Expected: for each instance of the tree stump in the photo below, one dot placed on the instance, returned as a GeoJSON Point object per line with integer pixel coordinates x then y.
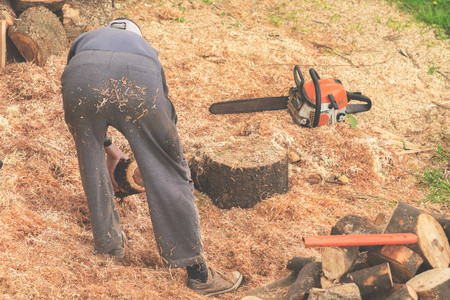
{"type": "Point", "coordinates": [432, 245]}
{"type": "Point", "coordinates": [370, 280]}
{"type": "Point", "coordinates": [308, 277]}
{"type": "Point", "coordinates": [22, 5]}
{"type": "Point", "coordinates": [128, 178]}
{"type": "Point", "coordinates": [37, 34]}
{"type": "Point", "coordinates": [349, 291]}
{"type": "Point", "coordinates": [433, 284]}
{"type": "Point", "coordinates": [83, 15]}
{"type": "Point", "coordinates": [403, 261]}
{"type": "Point", "coordinates": [240, 174]}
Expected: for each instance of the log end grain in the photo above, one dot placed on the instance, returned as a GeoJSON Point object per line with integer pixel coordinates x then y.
{"type": "Point", "coordinates": [432, 284]}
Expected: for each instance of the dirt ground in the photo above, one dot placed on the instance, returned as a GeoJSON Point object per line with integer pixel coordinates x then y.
{"type": "Point", "coordinates": [215, 51]}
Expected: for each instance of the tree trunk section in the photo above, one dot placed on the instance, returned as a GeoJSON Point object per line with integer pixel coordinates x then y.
{"type": "Point", "coordinates": [407, 292]}
{"type": "Point", "coordinates": [84, 15]}
{"type": "Point", "coordinates": [241, 174]}
{"type": "Point", "coordinates": [432, 245]}
{"type": "Point", "coordinates": [297, 263]}
{"type": "Point", "coordinates": [444, 220]}
{"type": "Point", "coordinates": [371, 280]}
{"type": "Point", "coordinates": [308, 278]}
{"type": "Point", "coordinates": [336, 261]}
{"type": "Point", "coordinates": [349, 291]}
{"type": "Point", "coordinates": [37, 34]}
{"type": "Point", "coordinates": [433, 284]}
{"type": "Point", "coordinates": [403, 261]}
{"type": "Point", "coordinates": [128, 178]}
{"type": "Point", "coordinates": [22, 5]}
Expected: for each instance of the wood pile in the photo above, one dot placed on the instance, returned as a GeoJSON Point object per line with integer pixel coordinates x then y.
{"type": "Point", "coordinates": [373, 271]}
{"type": "Point", "coordinates": [40, 28]}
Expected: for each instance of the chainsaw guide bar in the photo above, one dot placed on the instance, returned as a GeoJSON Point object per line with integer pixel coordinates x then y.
{"type": "Point", "coordinates": [250, 105]}
{"type": "Point", "coordinates": [311, 104]}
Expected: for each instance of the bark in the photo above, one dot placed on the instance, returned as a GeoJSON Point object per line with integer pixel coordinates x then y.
{"type": "Point", "coordinates": [308, 278]}
{"type": "Point", "coordinates": [371, 280]}
{"type": "Point", "coordinates": [407, 292]}
{"type": "Point", "coordinates": [297, 263]}
{"type": "Point", "coordinates": [22, 5]}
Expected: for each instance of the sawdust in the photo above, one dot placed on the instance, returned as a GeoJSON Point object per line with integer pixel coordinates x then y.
{"type": "Point", "coordinates": [215, 52]}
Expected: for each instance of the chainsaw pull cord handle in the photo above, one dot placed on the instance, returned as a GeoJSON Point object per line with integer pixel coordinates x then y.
{"type": "Point", "coordinates": [356, 108]}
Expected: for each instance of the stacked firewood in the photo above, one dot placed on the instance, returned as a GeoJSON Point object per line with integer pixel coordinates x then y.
{"type": "Point", "coordinates": [40, 28]}
{"type": "Point", "coordinates": [417, 270]}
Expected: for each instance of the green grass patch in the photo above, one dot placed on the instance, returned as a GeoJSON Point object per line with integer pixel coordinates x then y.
{"type": "Point", "coordinates": [438, 188]}
{"type": "Point", "coordinates": [432, 12]}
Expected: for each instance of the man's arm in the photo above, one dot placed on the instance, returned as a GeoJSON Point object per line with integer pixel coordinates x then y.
{"type": "Point", "coordinates": [113, 155]}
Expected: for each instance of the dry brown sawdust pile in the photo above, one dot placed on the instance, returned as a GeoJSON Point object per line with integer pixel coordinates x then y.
{"type": "Point", "coordinates": [224, 51]}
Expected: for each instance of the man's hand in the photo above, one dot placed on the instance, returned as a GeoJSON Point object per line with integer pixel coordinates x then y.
{"type": "Point", "coordinates": [113, 155]}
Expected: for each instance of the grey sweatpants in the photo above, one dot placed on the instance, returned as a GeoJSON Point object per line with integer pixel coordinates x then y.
{"type": "Point", "coordinates": [124, 90]}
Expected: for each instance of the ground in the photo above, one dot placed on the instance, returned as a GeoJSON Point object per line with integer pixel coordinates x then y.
{"type": "Point", "coordinates": [215, 51]}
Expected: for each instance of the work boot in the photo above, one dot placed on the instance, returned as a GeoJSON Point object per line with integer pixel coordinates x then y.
{"type": "Point", "coordinates": [118, 253]}
{"type": "Point", "coordinates": [216, 284]}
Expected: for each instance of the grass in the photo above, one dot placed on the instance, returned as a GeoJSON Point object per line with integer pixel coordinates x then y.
{"type": "Point", "coordinates": [438, 188]}
{"type": "Point", "coordinates": [432, 12]}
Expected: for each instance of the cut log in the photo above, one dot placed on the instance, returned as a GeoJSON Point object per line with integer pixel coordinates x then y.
{"type": "Point", "coordinates": [308, 278]}
{"type": "Point", "coordinates": [83, 15]}
{"type": "Point", "coordinates": [241, 174]}
{"type": "Point", "coordinates": [37, 34]}
{"type": "Point", "coordinates": [336, 261]}
{"type": "Point", "coordinates": [382, 295]}
{"type": "Point", "coordinates": [297, 263]}
{"type": "Point", "coordinates": [403, 261]}
{"type": "Point", "coordinates": [370, 280]}
{"type": "Point", "coordinates": [349, 291]}
{"type": "Point", "coordinates": [128, 178]}
{"type": "Point", "coordinates": [283, 282]}
{"type": "Point", "coordinates": [432, 245]}
{"type": "Point", "coordinates": [22, 5]}
{"type": "Point", "coordinates": [407, 292]}
{"type": "Point", "coordinates": [352, 224]}
{"type": "Point", "coordinates": [444, 220]}
{"type": "Point", "coordinates": [432, 285]}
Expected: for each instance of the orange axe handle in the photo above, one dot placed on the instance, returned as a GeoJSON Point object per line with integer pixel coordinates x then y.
{"type": "Point", "coordinates": [360, 240]}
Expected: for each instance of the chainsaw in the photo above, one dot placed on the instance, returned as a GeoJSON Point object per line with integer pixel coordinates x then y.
{"type": "Point", "coordinates": [311, 104]}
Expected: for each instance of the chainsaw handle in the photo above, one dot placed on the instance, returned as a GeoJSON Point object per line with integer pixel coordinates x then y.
{"type": "Point", "coordinates": [315, 78]}
{"type": "Point", "coordinates": [356, 108]}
